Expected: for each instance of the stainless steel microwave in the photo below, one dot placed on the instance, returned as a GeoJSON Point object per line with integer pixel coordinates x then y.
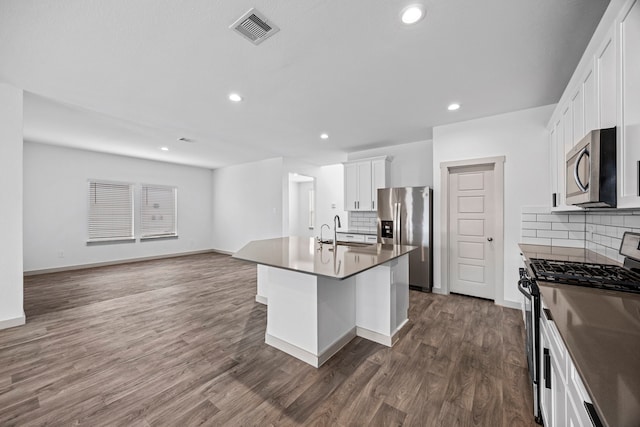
{"type": "Point", "coordinates": [591, 170]}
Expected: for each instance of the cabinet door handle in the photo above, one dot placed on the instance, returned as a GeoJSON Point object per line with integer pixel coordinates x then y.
{"type": "Point", "coordinates": [547, 369]}
{"type": "Point", "coordinates": [373, 205]}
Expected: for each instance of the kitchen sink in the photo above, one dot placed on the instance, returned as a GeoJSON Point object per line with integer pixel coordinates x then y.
{"type": "Point", "coordinates": [343, 243]}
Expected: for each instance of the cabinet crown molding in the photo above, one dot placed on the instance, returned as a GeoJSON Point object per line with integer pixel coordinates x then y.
{"type": "Point", "coordinates": [368, 159]}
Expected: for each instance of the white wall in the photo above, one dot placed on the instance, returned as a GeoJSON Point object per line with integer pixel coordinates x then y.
{"type": "Point", "coordinates": [330, 197]}
{"type": "Point", "coordinates": [11, 310]}
{"type": "Point", "coordinates": [55, 206]}
{"type": "Point", "coordinates": [294, 207]}
{"type": "Point", "coordinates": [411, 165]}
{"type": "Point", "coordinates": [248, 203]}
{"type": "Point", "coordinates": [521, 137]}
{"type": "Point", "coordinates": [301, 207]}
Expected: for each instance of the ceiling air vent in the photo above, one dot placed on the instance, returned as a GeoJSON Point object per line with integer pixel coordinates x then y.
{"type": "Point", "coordinates": [254, 26]}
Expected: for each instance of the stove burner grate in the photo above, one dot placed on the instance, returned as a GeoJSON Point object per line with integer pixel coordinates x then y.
{"type": "Point", "coordinates": [601, 276]}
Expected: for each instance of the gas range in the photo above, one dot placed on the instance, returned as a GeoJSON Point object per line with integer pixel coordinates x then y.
{"type": "Point", "coordinates": [624, 278]}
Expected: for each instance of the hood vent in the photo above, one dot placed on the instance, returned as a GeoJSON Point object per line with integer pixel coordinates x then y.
{"type": "Point", "coordinates": [255, 27]}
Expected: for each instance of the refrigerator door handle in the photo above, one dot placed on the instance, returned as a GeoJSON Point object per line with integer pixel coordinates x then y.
{"type": "Point", "coordinates": [396, 222]}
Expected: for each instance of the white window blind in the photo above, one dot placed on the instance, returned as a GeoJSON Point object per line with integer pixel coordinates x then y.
{"type": "Point", "coordinates": [158, 211]}
{"type": "Point", "coordinates": [110, 211]}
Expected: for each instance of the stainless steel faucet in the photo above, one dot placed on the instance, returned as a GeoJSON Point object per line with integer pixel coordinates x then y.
{"type": "Point", "coordinates": [335, 229]}
{"type": "Point", "coordinates": [321, 227]}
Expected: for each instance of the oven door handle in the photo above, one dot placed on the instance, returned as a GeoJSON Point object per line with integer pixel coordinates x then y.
{"type": "Point", "coordinates": [524, 291]}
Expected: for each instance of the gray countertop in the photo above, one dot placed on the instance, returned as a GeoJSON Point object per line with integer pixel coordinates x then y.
{"type": "Point", "coordinates": [305, 255]}
{"type": "Point", "coordinates": [601, 330]}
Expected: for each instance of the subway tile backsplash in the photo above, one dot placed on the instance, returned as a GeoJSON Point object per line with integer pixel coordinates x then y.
{"type": "Point", "coordinates": [599, 231]}
{"type": "Point", "coordinates": [363, 222]}
{"type": "Point", "coordinates": [542, 227]}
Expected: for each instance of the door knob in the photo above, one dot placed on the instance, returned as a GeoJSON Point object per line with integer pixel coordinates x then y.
{"type": "Point", "coordinates": [490, 239]}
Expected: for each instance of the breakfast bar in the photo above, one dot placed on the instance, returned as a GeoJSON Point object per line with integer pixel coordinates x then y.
{"type": "Point", "coordinates": [320, 296]}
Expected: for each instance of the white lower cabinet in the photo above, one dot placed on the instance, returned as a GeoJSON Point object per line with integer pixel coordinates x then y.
{"type": "Point", "coordinates": [348, 237]}
{"type": "Point", "coordinates": [562, 394]}
{"type": "Point", "coordinates": [357, 238]}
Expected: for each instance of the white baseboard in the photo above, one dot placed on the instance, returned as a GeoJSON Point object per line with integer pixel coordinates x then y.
{"type": "Point", "coordinates": [307, 356]}
{"type": "Point", "coordinates": [10, 323]}
{"type": "Point", "coordinates": [292, 350]}
{"type": "Point", "coordinates": [439, 291]}
{"type": "Point", "coordinates": [223, 252]}
{"type": "Point", "coordinates": [383, 339]}
{"type": "Point", "coordinates": [510, 304]}
{"type": "Point", "coordinates": [117, 262]}
{"type": "Point", "coordinates": [336, 346]}
{"type": "Point", "coordinates": [262, 300]}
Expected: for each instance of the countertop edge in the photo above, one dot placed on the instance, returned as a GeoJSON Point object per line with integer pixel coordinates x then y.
{"type": "Point", "coordinates": [320, 274]}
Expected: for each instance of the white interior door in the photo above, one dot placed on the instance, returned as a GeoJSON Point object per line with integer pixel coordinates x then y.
{"type": "Point", "coordinates": [471, 227]}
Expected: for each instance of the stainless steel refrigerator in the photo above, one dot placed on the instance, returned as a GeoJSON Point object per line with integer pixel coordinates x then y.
{"type": "Point", "coordinates": [405, 217]}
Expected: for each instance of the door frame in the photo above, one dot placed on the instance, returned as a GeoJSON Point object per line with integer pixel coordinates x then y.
{"type": "Point", "coordinates": [498, 238]}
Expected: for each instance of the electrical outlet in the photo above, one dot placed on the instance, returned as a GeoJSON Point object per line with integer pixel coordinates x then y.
{"type": "Point", "coordinates": [60, 254]}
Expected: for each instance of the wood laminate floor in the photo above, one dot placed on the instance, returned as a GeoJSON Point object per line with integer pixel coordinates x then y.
{"type": "Point", "coordinates": [180, 342]}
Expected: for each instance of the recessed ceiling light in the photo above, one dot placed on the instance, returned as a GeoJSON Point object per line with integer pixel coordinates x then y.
{"type": "Point", "coordinates": [164, 148]}
{"type": "Point", "coordinates": [453, 107]}
{"type": "Point", "coordinates": [235, 97]}
{"type": "Point", "coordinates": [412, 14]}
{"type": "Point", "coordinates": [324, 136]}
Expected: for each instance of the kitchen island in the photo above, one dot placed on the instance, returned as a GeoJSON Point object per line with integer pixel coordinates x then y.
{"type": "Point", "coordinates": [319, 297]}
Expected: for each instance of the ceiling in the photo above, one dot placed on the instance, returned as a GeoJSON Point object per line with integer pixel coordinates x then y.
{"type": "Point", "coordinates": [129, 77]}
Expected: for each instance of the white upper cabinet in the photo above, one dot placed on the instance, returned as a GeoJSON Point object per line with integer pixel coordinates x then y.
{"type": "Point", "coordinates": [590, 102]}
{"type": "Point", "coordinates": [553, 151]}
{"type": "Point", "coordinates": [604, 92]}
{"type": "Point", "coordinates": [362, 179]}
{"type": "Point", "coordinates": [365, 182]}
{"type": "Point", "coordinates": [577, 105]}
{"type": "Point", "coordinates": [629, 131]}
{"type": "Point", "coordinates": [379, 175]}
{"type": "Point", "coordinates": [606, 66]}
{"type": "Point", "coordinates": [567, 120]}
{"type": "Point", "coordinates": [350, 186]}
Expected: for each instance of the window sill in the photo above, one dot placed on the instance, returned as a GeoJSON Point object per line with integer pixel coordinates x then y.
{"type": "Point", "coordinates": [96, 242]}
{"type": "Point", "coordinates": [164, 237]}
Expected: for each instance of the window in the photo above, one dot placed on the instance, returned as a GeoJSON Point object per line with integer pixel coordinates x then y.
{"type": "Point", "coordinates": [110, 211]}
{"type": "Point", "coordinates": [158, 217]}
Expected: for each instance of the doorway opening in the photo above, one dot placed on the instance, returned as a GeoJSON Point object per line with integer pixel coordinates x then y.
{"type": "Point", "coordinates": [302, 205]}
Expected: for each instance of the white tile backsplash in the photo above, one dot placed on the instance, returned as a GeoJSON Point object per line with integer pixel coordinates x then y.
{"type": "Point", "coordinates": [542, 227]}
{"type": "Point", "coordinates": [363, 222]}
{"type": "Point", "coordinates": [597, 231]}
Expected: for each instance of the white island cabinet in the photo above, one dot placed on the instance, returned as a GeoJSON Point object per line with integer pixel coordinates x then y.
{"type": "Point", "coordinates": [319, 297]}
